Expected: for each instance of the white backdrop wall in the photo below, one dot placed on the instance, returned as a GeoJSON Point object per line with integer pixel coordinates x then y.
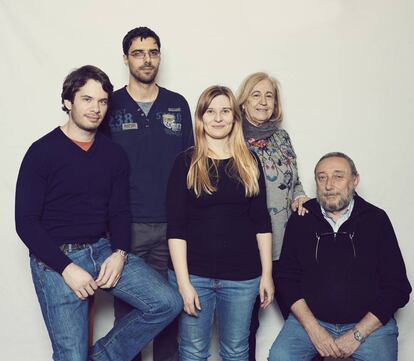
{"type": "Point", "coordinates": [345, 67]}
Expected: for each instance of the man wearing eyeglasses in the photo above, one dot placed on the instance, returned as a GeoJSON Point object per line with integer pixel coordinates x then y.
{"type": "Point", "coordinates": [153, 125]}
{"type": "Point", "coordinates": [342, 273]}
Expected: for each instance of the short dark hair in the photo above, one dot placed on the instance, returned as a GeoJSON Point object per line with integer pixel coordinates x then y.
{"type": "Point", "coordinates": [78, 78]}
{"type": "Point", "coordinates": [143, 33]}
{"type": "Point", "coordinates": [339, 155]}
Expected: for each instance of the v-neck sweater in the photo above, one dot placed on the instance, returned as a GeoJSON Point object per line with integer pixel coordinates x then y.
{"type": "Point", "coordinates": [65, 195]}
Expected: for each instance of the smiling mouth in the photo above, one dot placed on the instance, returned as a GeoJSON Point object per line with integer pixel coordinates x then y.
{"type": "Point", "coordinates": [93, 118]}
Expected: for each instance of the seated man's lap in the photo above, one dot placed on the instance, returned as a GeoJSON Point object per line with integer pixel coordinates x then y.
{"type": "Point", "coordinates": [293, 343]}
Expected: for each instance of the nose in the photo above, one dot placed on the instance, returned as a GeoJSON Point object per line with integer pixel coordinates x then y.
{"type": "Point", "coordinates": [96, 107]}
{"type": "Point", "coordinates": [263, 100]}
{"type": "Point", "coordinates": [147, 57]}
{"type": "Point", "coordinates": [218, 117]}
{"type": "Point", "coordinates": [329, 183]}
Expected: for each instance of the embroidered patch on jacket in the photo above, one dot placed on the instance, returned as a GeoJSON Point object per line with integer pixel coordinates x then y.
{"type": "Point", "coordinates": [169, 122]}
{"type": "Point", "coordinates": [128, 126]}
{"type": "Point", "coordinates": [174, 109]}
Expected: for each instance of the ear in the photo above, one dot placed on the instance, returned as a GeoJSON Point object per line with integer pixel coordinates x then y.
{"type": "Point", "coordinates": [125, 59]}
{"type": "Point", "coordinates": [356, 181]}
{"type": "Point", "coordinates": [68, 104]}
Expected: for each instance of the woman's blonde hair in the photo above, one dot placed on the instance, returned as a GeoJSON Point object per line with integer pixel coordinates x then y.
{"type": "Point", "coordinates": [242, 165]}
{"type": "Point", "coordinates": [247, 86]}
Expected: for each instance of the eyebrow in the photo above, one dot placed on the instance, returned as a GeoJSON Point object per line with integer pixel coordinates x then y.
{"type": "Point", "coordinates": [336, 171]}
{"type": "Point", "coordinates": [136, 50]}
{"type": "Point", "coordinates": [91, 97]}
{"type": "Point", "coordinates": [258, 91]}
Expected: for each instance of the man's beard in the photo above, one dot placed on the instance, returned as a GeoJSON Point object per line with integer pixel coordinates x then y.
{"type": "Point", "coordinates": [338, 205]}
{"type": "Point", "coordinates": [145, 80]}
{"type": "Point", "coordinates": [88, 128]}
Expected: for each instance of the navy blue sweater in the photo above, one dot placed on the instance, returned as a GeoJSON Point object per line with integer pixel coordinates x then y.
{"type": "Point", "coordinates": [343, 276]}
{"type": "Point", "coordinates": [67, 195]}
{"type": "Point", "coordinates": [151, 143]}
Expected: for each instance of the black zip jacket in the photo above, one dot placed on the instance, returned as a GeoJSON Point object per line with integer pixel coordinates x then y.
{"type": "Point", "coordinates": [343, 275]}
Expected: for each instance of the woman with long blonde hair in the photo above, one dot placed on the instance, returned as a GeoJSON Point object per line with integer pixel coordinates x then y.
{"type": "Point", "coordinates": [219, 231]}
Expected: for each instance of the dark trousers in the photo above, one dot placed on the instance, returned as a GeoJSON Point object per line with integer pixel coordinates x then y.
{"type": "Point", "coordinates": [148, 241]}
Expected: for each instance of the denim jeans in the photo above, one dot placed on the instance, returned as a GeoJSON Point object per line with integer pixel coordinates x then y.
{"type": "Point", "coordinates": [155, 304]}
{"type": "Point", "coordinates": [148, 241]}
{"type": "Point", "coordinates": [232, 302]}
{"type": "Point", "coordinates": [294, 344]}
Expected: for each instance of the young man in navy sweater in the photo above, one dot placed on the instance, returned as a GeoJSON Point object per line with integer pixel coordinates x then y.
{"type": "Point", "coordinates": [153, 125]}
{"type": "Point", "coordinates": [341, 272]}
{"type": "Point", "coordinates": [72, 211]}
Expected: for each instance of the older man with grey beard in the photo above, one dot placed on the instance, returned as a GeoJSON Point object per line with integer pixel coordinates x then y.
{"type": "Point", "coordinates": [341, 272]}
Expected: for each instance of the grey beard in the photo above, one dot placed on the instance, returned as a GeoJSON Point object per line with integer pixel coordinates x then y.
{"type": "Point", "coordinates": [337, 207]}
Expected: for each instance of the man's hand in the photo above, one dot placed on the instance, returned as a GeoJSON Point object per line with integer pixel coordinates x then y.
{"type": "Point", "coordinates": [266, 291]}
{"type": "Point", "coordinates": [111, 271]}
{"type": "Point", "coordinates": [347, 343]}
{"type": "Point", "coordinates": [190, 299]}
{"type": "Point", "coordinates": [80, 281]}
{"type": "Point", "coordinates": [297, 205]}
{"type": "Point", "coordinates": [323, 342]}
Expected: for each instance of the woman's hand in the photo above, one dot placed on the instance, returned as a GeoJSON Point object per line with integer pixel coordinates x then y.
{"type": "Point", "coordinates": [267, 291]}
{"type": "Point", "coordinates": [190, 299]}
{"type": "Point", "coordinates": [297, 205]}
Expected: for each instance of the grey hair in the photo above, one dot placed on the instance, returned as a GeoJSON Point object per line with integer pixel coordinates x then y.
{"type": "Point", "coordinates": [339, 155]}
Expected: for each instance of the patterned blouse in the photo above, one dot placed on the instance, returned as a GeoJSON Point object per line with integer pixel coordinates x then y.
{"type": "Point", "coordinates": [282, 181]}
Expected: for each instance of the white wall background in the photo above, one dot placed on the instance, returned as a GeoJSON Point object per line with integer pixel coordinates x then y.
{"type": "Point", "coordinates": [345, 67]}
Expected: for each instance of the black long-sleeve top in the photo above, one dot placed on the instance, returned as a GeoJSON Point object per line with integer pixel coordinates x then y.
{"type": "Point", "coordinates": [220, 229]}
{"type": "Point", "coordinates": [66, 195]}
{"type": "Point", "coordinates": [343, 275]}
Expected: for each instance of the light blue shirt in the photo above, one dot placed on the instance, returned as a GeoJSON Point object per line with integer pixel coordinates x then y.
{"type": "Point", "coordinates": [344, 217]}
{"type": "Point", "coordinates": [145, 106]}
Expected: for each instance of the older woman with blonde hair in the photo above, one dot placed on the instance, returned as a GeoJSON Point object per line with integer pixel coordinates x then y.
{"type": "Point", "coordinates": [219, 231]}
{"type": "Point", "coordinates": [260, 105]}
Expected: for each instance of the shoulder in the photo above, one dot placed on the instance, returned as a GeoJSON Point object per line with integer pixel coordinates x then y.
{"type": "Point", "coordinates": [185, 157]}
{"type": "Point", "coordinates": [120, 93]}
{"type": "Point", "coordinates": [39, 154]}
{"type": "Point", "coordinates": [181, 165]}
{"type": "Point", "coordinates": [44, 143]}
{"type": "Point", "coordinates": [119, 98]}
{"type": "Point", "coordinates": [167, 94]}
{"type": "Point", "coordinates": [281, 134]}
{"type": "Point", "coordinates": [314, 213]}
{"type": "Point", "coordinates": [363, 206]}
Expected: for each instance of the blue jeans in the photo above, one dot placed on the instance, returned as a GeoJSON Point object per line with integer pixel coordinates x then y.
{"type": "Point", "coordinates": [232, 301]}
{"type": "Point", "coordinates": [148, 241]}
{"type": "Point", "coordinates": [294, 344]}
{"type": "Point", "coordinates": [155, 304]}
